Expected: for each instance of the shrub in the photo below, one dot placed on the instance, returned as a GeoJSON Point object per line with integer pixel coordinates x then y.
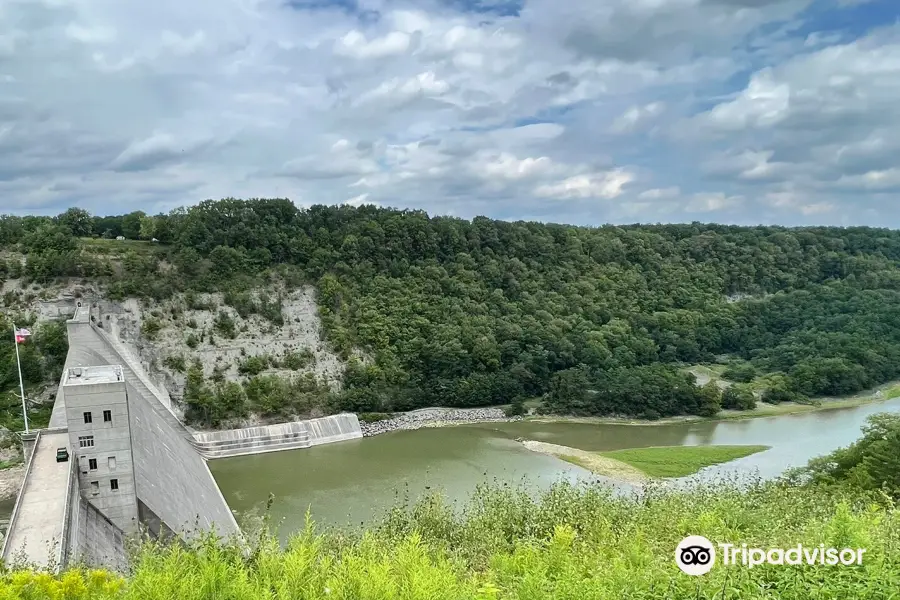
{"type": "Point", "coordinates": [253, 365]}
{"type": "Point", "coordinates": [270, 308]}
{"type": "Point", "coordinates": [151, 328]}
{"type": "Point", "coordinates": [192, 341]}
{"type": "Point", "coordinates": [372, 417]}
{"type": "Point", "coordinates": [516, 409]}
{"type": "Point", "coordinates": [738, 397]}
{"type": "Point", "coordinates": [299, 359]}
{"type": "Point", "coordinates": [176, 363]}
{"type": "Point", "coordinates": [741, 373]}
{"type": "Point", "coordinates": [241, 302]}
{"type": "Point", "coordinates": [224, 324]}
{"type": "Point", "coordinates": [778, 394]}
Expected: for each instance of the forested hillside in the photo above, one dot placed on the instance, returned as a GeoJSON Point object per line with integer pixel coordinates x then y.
{"type": "Point", "coordinates": [460, 313]}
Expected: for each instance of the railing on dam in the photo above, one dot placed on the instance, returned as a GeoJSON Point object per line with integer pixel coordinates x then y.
{"type": "Point", "coordinates": [69, 528]}
{"type": "Point", "coordinates": [14, 517]}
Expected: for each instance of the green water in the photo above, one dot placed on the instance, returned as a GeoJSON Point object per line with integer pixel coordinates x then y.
{"type": "Point", "coordinates": [352, 482]}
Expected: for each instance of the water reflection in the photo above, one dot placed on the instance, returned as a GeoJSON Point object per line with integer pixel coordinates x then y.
{"type": "Point", "coordinates": [354, 481]}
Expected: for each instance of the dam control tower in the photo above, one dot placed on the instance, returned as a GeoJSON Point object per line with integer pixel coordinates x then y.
{"type": "Point", "coordinates": [100, 437]}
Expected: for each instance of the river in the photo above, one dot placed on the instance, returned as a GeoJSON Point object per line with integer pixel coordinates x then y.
{"type": "Point", "coordinates": [352, 482]}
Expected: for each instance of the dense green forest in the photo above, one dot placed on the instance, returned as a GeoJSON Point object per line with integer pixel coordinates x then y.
{"type": "Point", "coordinates": [466, 313]}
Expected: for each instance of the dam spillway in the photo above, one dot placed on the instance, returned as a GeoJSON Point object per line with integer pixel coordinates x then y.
{"type": "Point", "coordinates": [282, 436]}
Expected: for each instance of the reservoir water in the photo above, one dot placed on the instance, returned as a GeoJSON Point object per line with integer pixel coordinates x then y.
{"type": "Point", "coordinates": [352, 482]}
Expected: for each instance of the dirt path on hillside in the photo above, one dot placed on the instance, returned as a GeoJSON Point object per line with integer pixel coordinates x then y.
{"type": "Point", "coordinates": [600, 465]}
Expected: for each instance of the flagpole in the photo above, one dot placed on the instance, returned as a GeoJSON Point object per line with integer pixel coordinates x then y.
{"type": "Point", "coordinates": [21, 385]}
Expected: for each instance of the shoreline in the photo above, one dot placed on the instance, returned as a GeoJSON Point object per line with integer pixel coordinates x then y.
{"type": "Point", "coordinates": [448, 417]}
{"type": "Point", "coordinates": [436, 417]}
{"type": "Point", "coordinates": [603, 466]}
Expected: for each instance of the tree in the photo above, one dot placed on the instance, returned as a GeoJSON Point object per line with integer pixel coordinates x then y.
{"type": "Point", "coordinates": [147, 227]}
{"type": "Point", "coordinates": [474, 312]}
{"type": "Point", "coordinates": [517, 408]}
{"type": "Point", "coordinates": [569, 391]}
{"type": "Point", "coordinates": [131, 224]}
{"type": "Point", "coordinates": [77, 220]}
{"type": "Point", "coordinates": [710, 400]}
{"type": "Point", "coordinates": [871, 463]}
{"type": "Point", "coordinates": [228, 262]}
{"type": "Point", "coordinates": [741, 373]}
{"type": "Point", "coordinates": [200, 400]}
{"type": "Point", "coordinates": [49, 239]}
{"type": "Point", "coordinates": [738, 397]}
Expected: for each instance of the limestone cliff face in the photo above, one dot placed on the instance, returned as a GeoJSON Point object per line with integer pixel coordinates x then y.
{"type": "Point", "coordinates": [160, 335]}
{"type": "Point", "coordinates": [180, 322]}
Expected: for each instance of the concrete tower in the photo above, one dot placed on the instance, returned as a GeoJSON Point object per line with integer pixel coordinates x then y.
{"type": "Point", "coordinates": [100, 435]}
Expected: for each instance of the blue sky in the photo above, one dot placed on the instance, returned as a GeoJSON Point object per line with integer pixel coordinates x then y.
{"type": "Point", "coordinates": [579, 111]}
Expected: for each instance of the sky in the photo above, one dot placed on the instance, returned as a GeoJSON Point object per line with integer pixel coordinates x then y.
{"type": "Point", "coordinates": [575, 111]}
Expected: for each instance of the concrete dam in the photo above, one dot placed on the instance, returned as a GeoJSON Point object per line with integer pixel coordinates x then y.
{"type": "Point", "coordinates": [132, 464]}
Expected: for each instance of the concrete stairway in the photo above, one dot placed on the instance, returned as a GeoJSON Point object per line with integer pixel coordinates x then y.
{"type": "Point", "coordinates": [115, 354]}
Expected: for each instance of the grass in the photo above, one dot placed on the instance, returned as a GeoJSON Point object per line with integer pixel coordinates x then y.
{"type": "Point", "coordinates": [571, 543]}
{"type": "Point", "coordinates": [679, 461]}
{"type": "Point", "coordinates": [113, 243]}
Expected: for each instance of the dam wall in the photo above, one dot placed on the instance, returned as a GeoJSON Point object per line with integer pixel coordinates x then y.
{"type": "Point", "coordinates": [171, 479]}
{"type": "Point", "coordinates": [282, 436]}
{"type": "Point", "coordinates": [90, 538]}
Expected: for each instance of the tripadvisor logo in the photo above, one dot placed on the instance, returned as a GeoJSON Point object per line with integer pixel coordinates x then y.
{"type": "Point", "coordinates": [696, 555]}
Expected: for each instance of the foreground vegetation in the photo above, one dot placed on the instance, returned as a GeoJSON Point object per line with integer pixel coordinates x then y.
{"type": "Point", "coordinates": [679, 461]}
{"type": "Point", "coordinates": [572, 542]}
{"type": "Point", "coordinates": [598, 321]}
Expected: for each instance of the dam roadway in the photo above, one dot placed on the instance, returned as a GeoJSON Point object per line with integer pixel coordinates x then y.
{"type": "Point", "coordinates": [41, 516]}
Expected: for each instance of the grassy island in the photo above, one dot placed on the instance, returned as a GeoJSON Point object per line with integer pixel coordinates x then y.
{"type": "Point", "coordinates": [679, 461]}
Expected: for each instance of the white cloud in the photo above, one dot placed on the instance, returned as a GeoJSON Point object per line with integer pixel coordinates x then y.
{"type": "Point", "coordinates": [453, 111]}
{"type": "Point", "coordinates": [711, 202]}
{"type": "Point", "coordinates": [764, 103]}
{"type": "Point", "coordinates": [358, 200]}
{"type": "Point", "coordinates": [506, 166]}
{"type": "Point", "coordinates": [598, 185]}
{"type": "Point", "coordinates": [355, 44]}
{"type": "Point", "coordinates": [399, 91]}
{"type": "Point", "coordinates": [660, 193]}
{"type": "Point", "coordinates": [886, 179]}
{"type": "Point", "coordinates": [637, 116]}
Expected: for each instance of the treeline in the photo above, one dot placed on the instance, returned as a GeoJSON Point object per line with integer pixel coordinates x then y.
{"type": "Point", "coordinates": [468, 313]}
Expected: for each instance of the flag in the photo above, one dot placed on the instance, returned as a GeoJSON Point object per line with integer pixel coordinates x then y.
{"type": "Point", "coordinates": [21, 334]}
